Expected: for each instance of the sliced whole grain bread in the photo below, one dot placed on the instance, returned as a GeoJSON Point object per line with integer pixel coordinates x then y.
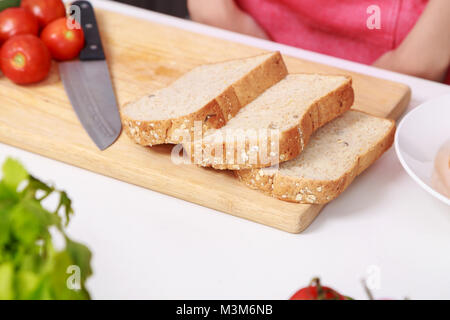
{"type": "Point", "coordinates": [276, 126]}
{"type": "Point", "coordinates": [211, 93]}
{"type": "Point", "coordinates": [336, 154]}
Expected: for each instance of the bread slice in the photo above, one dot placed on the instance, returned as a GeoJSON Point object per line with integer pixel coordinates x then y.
{"type": "Point", "coordinates": [336, 154]}
{"type": "Point", "coordinates": [276, 126]}
{"type": "Point", "coordinates": [211, 93]}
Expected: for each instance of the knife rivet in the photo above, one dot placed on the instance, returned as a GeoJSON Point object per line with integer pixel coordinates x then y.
{"type": "Point", "coordinates": [93, 47]}
{"type": "Point", "coordinates": [88, 25]}
{"type": "Point", "coordinates": [84, 5]}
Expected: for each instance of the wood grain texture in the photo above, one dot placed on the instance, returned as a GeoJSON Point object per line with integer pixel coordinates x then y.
{"type": "Point", "coordinates": [142, 57]}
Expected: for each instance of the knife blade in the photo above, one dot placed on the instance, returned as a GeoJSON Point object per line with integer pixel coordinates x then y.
{"type": "Point", "coordinates": [88, 83]}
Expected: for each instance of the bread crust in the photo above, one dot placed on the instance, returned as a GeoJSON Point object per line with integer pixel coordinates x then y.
{"type": "Point", "coordinates": [292, 141]}
{"type": "Point", "coordinates": [216, 113]}
{"type": "Point", "coordinates": [310, 191]}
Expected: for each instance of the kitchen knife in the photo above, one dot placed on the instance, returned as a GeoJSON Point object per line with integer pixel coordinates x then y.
{"type": "Point", "coordinates": [88, 83]}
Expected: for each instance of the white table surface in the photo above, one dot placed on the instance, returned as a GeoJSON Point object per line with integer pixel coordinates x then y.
{"type": "Point", "coordinates": [152, 246]}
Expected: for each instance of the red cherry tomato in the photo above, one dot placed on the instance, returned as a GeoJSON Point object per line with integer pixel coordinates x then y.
{"type": "Point", "coordinates": [311, 293]}
{"type": "Point", "coordinates": [315, 291]}
{"type": "Point", "coordinates": [15, 21]}
{"type": "Point", "coordinates": [25, 59]}
{"type": "Point", "coordinates": [64, 42]}
{"type": "Point", "coordinates": [45, 10]}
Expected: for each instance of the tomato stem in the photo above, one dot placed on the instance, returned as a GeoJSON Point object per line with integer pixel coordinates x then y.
{"type": "Point", "coordinates": [69, 34]}
{"type": "Point", "coordinates": [18, 61]}
{"type": "Point", "coordinates": [367, 290]}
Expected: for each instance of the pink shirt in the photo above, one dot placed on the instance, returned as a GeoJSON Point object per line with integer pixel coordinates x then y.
{"type": "Point", "coordinates": [338, 28]}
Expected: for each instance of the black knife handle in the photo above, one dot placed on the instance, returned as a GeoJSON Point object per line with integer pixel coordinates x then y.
{"type": "Point", "coordinates": [93, 49]}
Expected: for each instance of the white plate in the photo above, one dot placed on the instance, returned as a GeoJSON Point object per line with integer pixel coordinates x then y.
{"type": "Point", "coordinates": [418, 138]}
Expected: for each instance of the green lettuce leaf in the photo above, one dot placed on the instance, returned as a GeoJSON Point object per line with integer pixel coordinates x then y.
{"type": "Point", "coordinates": [30, 267]}
{"type": "Point", "coordinates": [13, 173]}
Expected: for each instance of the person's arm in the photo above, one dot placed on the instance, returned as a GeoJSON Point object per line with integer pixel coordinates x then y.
{"type": "Point", "coordinates": [425, 52]}
{"type": "Point", "coordinates": [224, 14]}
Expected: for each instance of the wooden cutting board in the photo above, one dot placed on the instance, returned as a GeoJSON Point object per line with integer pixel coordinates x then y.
{"type": "Point", "coordinates": [144, 56]}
